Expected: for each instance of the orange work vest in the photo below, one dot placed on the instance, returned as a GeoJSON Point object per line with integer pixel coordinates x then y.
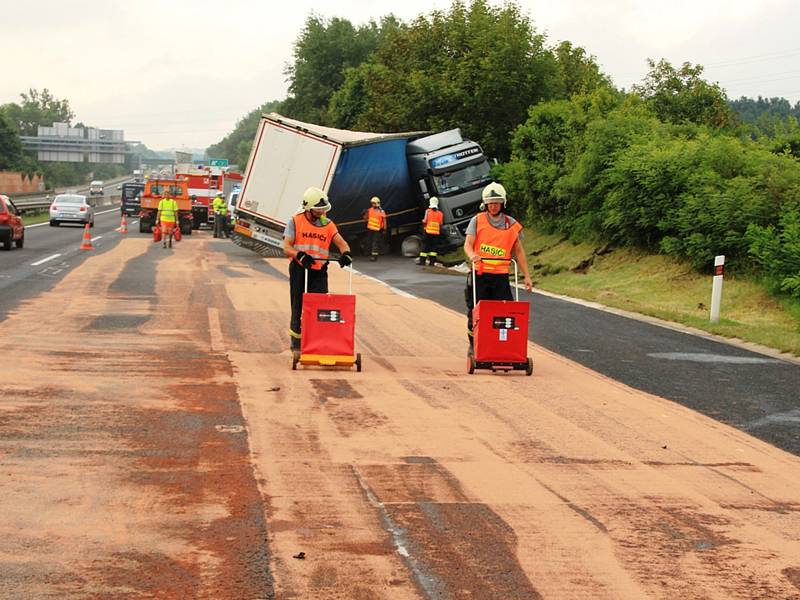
{"type": "Point", "coordinates": [375, 219]}
{"type": "Point", "coordinates": [313, 240]}
{"type": "Point", "coordinates": [491, 242]}
{"type": "Point", "coordinates": [433, 221]}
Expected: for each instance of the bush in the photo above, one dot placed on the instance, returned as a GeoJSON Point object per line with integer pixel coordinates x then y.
{"type": "Point", "coordinates": [777, 249]}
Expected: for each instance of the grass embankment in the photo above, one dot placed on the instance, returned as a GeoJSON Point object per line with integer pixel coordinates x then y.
{"type": "Point", "coordinates": [660, 287]}
{"type": "Point", "coordinates": [33, 219]}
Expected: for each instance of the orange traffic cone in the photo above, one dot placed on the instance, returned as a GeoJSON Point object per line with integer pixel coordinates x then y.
{"type": "Point", "coordinates": [87, 239]}
{"type": "Point", "coordinates": [123, 226]}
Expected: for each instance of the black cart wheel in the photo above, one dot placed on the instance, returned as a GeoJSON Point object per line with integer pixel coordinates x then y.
{"type": "Point", "coordinates": [529, 368]}
{"type": "Point", "coordinates": [358, 362]}
{"type": "Point", "coordinates": [295, 360]}
{"type": "Point", "coordinates": [470, 365]}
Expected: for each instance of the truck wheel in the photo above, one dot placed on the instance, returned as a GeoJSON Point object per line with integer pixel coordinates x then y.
{"type": "Point", "coordinates": [142, 228]}
{"type": "Point", "coordinates": [21, 241]}
{"type": "Point", "coordinates": [529, 368]}
{"type": "Point", "coordinates": [358, 362]}
{"type": "Point", "coordinates": [7, 243]}
{"type": "Point", "coordinates": [53, 223]}
{"type": "Point", "coordinates": [411, 246]}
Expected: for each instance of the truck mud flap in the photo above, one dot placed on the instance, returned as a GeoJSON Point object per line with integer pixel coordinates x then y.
{"type": "Point", "coordinates": [262, 248]}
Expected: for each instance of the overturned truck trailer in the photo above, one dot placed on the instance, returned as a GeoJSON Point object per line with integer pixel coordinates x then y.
{"type": "Point", "coordinates": [402, 169]}
{"type": "Point", "coordinates": [289, 156]}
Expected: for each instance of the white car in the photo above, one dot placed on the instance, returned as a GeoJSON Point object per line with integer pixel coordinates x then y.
{"type": "Point", "coordinates": [96, 188]}
{"type": "Point", "coordinates": [71, 208]}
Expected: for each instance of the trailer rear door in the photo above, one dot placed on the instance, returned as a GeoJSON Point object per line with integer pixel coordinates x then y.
{"type": "Point", "coordinates": [284, 162]}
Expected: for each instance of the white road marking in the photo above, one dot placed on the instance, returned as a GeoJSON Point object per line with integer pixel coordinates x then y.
{"type": "Point", "coordinates": [96, 237]}
{"type": "Point", "coordinates": [713, 358]}
{"type": "Point", "coordinates": [44, 260]}
{"type": "Point", "coordinates": [215, 329]}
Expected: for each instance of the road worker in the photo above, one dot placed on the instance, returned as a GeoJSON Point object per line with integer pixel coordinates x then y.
{"type": "Point", "coordinates": [376, 226]}
{"type": "Point", "coordinates": [306, 242]}
{"type": "Point", "coordinates": [167, 218]}
{"type": "Point", "coordinates": [431, 229]}
{"type": "Point", "coordinates": [492, 234]}
{"type": "Point", "coordinates": [220, 208]}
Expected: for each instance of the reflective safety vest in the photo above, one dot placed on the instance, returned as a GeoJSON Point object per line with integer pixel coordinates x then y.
{"type": "Point", "coordinates": [312, 239]}
{"type": "Point", "coordinates": [491, 242]}
{"type": "Point", "coordinates": [433, 221]}
{"type": "Point", "coordinates": [168, 209]}
{"type": "Point", "coordinates": [220, 206]}
{"type": "Point", "coordinates": [375, 219]}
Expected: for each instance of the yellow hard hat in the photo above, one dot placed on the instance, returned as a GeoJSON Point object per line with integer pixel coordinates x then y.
{"type": "Point", "coordinates": [376, 201]}
{"type": "Point", "coordinates": [315, 199]}
{"type": "Point", "coordinates": [433, 202]}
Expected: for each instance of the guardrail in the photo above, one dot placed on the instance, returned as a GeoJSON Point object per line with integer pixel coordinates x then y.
{"type": "Point", "coordinates": [35, 204]}
{"type": "Point", "coordinates": [38, 201]}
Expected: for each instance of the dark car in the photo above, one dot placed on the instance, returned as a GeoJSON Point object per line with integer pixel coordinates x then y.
{"type": "Point", "coordinates": [131, 198]}
{"type": "Point", "coordinates": [11, 226]}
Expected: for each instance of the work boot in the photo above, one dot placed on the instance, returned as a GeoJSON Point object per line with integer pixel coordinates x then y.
{"type": "Point", "coordinates": [421, 261]}
{"type": "Point", "coordinates": [164, 245]}
{"type": "Point", "coordinates": [431, 260]}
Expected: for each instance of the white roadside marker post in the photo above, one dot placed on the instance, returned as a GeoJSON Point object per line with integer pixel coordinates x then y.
{"type": "Point", "coordinates": [716, 288]}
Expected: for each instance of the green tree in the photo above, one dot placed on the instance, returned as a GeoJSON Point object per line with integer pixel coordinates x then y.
{"type": "Point", "coordinates": [578, 71]}
{"type": "Point", "coordinates": [38, 108]}
{"type": "Point", "coordinates": [682, 96]}
{"type": "Point", "coordinates": [10, 145]}
{"type": "Point", "coordinates": [476, 67]}
{"type": "Point", "coordinates": [323, 52]}
{"type": "Point", "coordinates": [12, 156]}
{"type": "Point", "coordinates": [236, 145]}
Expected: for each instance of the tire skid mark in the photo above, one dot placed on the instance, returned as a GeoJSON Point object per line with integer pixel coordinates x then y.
{"type": "Point", "coordinates": [428, 583]}
{"type": "Point", "coordinates": [453, 547]}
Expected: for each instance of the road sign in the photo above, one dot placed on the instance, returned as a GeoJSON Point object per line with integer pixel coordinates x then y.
{"type": "Point", "coordinates": [217, 162]}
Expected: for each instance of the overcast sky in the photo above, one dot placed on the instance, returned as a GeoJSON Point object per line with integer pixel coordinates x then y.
{"type": "Point", "coordinates": [177, 73]}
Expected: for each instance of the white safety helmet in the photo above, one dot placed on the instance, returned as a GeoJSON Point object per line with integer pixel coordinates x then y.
{"type": "Point", "coordinates": [433, 202]}
{"type": "Point", "coordinates": [315, 199]}
{"type": "Point", "coordinates": [494, 192]}
{"type": "Point", "coordinates": [376, 201]}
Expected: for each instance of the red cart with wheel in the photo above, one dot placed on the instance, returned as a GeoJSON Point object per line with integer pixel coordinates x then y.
{"type": "Point", "coordinates": [500, 333]}
{"type": "Point", "coordinates": [328, 330]}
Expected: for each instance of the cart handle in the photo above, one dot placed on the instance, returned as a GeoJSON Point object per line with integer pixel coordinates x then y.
{"type": "Point", "coordinates": [330, 260]}
{"type": "Point", "coordinates": [516, 279]}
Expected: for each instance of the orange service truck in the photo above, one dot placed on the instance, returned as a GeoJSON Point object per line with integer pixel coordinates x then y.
{"type": "Point", "coordinates": [154, 191]}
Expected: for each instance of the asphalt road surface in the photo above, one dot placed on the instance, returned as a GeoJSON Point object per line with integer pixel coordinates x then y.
{"type": "Point", "coordinates": [756, 393]}
{"type": "Point", "coordinates": [156, 443]}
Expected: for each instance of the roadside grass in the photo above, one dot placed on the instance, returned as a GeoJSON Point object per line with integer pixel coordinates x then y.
{"type": "Point", "coordinates": [661, 287]}
{"type": "Point", "coordinates": [36, 218]}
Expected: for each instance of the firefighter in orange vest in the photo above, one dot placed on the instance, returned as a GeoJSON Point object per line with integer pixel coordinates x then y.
{"type": "Point", "coordinates": [492, 234]}
{"type": "Point", "coordinates": [376, 226]}
{"type": "Point", "coordinates": [306, 241]}
{"type": "Point", "coordinates": [432, 228]}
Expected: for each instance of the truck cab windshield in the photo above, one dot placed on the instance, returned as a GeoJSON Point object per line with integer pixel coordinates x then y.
{"type": "Point", "coordinates": [466, 178]}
